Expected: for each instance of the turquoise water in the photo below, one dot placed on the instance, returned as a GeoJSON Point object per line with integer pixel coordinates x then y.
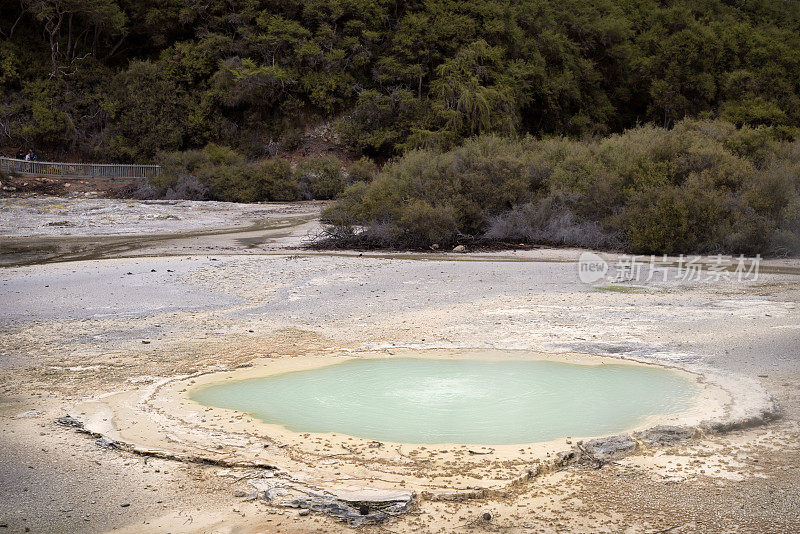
{"type": "Point", "coordinates": [412, 400]}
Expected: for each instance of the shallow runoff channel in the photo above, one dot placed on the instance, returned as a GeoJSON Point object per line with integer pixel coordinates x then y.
{"type": "Point", "coordinates": [430, 401]}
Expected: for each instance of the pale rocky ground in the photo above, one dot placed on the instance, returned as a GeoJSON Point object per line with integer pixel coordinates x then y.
{"type": "Point", "coordinates": [217, 286]}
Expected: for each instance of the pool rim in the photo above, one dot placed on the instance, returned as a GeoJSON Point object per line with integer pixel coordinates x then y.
{"type": "Point", "coordinates": [711, 401]}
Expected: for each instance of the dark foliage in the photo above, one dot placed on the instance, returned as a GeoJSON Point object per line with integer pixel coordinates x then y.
{"type": "Point", "coordinates": [703, 186]}
{"type": "Point", "coordinates": [220, 173]}
{"type": "Point", "coordinates": [125, 79]}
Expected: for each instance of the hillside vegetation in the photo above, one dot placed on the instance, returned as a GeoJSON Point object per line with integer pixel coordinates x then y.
{"type": "Point", "coordinates": [125, 79]}
{"type": "Point", "coordinates": [656, 126]}
{"type": "Point", "coordinates": [703, 186]}
{"type": "Point", "coordinates": [220, 173]}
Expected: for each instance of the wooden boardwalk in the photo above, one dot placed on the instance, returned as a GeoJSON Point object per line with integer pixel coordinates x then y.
{"type": "Point", "coordinates": [77, 170]}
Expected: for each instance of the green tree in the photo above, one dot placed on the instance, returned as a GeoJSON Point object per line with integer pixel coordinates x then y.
{"type": "Point", "coordinates": [149, 113]}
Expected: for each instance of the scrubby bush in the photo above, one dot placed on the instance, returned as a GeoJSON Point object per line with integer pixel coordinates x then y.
{"type": "Point", "coordinates": [277, 180]}
{"type": "Point", "coordinates": [232, 183]}
{"type": "Point", "coordinates": [549, 221]}
{"type": "Point", "coordinates": [291, 139]}
{"type": "Point", "coordinates": [219, 173]}
{"type": "Point", "coordinates": [702, 187]}
{"type": "Point", "coordinates": [187, 187]}
{"type": "Point", "coordinates": [363, 170]}
{"type": "Point", "coordinates": [321, 178]}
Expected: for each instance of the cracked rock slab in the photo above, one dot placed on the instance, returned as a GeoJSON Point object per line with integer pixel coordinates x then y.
{"type": "Point", "coordinates": [610, 448]}
{"type": "Point", "coordinates": [665, 435]}
{"type": "Point", "coordinates": [366, 505]}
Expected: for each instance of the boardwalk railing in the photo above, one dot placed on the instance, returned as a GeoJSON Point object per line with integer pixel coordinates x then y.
{"type": "Point", "coordinates": [78, 170]}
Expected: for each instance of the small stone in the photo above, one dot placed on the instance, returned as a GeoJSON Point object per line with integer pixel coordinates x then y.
{"type": "Point", "coordinates": [459, 248]}
{"type": "Point", "coordinates": [487, 516]}
{"type": "Point", "coordinates": [125, 505]}
{"type": "Point", "coordinates": [239, 493]}
{"type": "Point", "coordinates": [105, 443]}
{"type": "Point", "coordinates": [304, 512]}
{"type": "Point", "coordinates": [68, 420]}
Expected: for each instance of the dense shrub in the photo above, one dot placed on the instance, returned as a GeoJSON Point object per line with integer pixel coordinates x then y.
{"type": "Point", "coordinates": [277, 180]}
{"type": "Point", "coordinates": [187, 187]}
{"type": "Point", "coordinates": [113, 79]}
{"type": "Point", "coordinates": [703, 186]}
{"type": "Point", "coordinates": [363, 170]}
{"type": "Point", "coordinates": [321, 178]}
{"type": "Point", "coordinates": [549, 221]}
{"type": "Point", "coordinates": [220, 173]}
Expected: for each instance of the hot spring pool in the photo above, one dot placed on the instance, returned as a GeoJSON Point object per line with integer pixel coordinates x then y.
{"type": "Point", "coordinates": [412, 400]}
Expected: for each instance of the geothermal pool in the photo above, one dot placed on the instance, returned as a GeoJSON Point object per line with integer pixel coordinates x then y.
{"type": "Point", "coordinates": [412, 400]}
